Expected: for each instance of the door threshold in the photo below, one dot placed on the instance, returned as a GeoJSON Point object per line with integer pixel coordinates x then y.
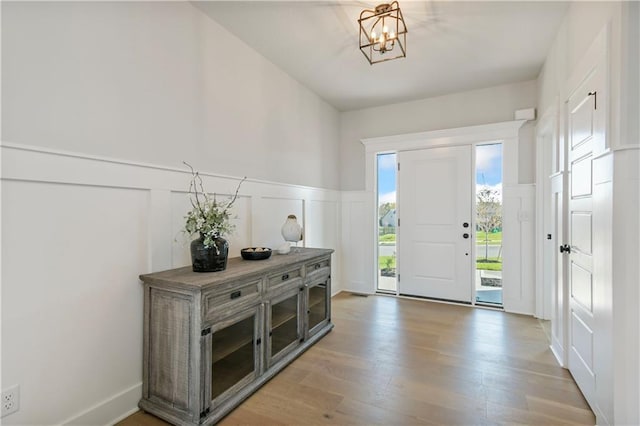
{"type": "Point", "coordinates": [443, 301]}
{"type": "Point", "coordinates": [435, 299]}
{"type": "Point", "coordinates": [493, 306]}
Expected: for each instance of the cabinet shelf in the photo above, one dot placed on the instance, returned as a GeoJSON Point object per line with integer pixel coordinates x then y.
{"type": "Point", "coordinates": [284, 311]}
{"type": "Point", "coordinates": [231, 339]}
{"type": "Point", "coordinates": [231, 369]}
{"type": "Point", "coordinates": [286, 335]}
{"type": "Point", "coordinates": [284, 324]}
{"type": "Point", "coordinates": [316, 297]}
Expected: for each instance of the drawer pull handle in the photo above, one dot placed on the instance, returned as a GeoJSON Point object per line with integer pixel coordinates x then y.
{"type": "Point", "coordinates": [285, 277]}
{"type": "Point", "coordinates": [317, 266]}
{"type": "Point", "coordinates": [236, 294]}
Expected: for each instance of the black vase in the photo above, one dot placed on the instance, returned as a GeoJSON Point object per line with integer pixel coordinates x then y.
{"type": "Point", "coordinates": [209, 259]}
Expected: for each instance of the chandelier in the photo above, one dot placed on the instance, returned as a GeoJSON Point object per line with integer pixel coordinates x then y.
{"type": "Point", "coordinates": [383, 33]}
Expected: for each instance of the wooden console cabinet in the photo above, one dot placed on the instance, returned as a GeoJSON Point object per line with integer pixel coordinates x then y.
{"type": "Point", "coordinates": [211, 339]}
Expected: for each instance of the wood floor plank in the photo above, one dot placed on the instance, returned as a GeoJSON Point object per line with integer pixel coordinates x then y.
{"type": "Point", "coordinates": [397, 361]}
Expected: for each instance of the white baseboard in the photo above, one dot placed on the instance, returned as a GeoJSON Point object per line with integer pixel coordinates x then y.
{"type": "Point", "coordinates": [111, 410]}
{"type": "Point", "coordinates": [557, 355]}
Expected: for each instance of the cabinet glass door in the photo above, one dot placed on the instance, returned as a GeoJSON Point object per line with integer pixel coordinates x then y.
{"type": "Point", "coordinates": [233, 355]}
{"type": "Point", "coordinates": [284, 324]}
{"type": "Point", "coordinates": [317, 310]}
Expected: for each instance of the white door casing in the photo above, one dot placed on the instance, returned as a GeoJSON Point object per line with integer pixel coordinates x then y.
{"type": "Point", "coordinates": [552, 293]}
{"type": "Point", "coordinates": [546, 237]}
{"type": "Point", "coordinates": [434, 199]}
{"type": "Point", "coordinates": [518, 298]}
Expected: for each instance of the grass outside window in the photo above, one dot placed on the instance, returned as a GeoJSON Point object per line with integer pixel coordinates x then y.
{"type": "Point", "coordinates": [495, 238]}
{"type": "Point", "coordinates": [490, 264]}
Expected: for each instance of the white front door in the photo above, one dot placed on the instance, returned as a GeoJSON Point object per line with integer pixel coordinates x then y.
{"type": "Point", "coordinates": [434, 199]}
{"type": "Point", "coordinates": [585, 130]}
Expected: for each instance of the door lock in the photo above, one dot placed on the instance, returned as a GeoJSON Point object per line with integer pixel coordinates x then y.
{"type": "Point", "coordinates": [565, 248]}
{"type": "Point", "coordinates": [465, 235]}
{"type": "Point", "coordinates": [465, 225]}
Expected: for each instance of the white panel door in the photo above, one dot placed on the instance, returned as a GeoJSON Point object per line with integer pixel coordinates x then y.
{"type": "Point", "coordinates": [434, 198]}
{"type": "Point", "coordinates": [584, 128]}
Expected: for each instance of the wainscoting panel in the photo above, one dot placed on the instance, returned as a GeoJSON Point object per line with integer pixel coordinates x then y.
{"type": "Point", "coordinates": [269, 217]}
{"type": "Point", "coordinates": [78, 230]}
{"type": "Point", "coordinates": [518, 248]}
{"type": "Point", "coordinates": [356, 276]}
{"type": "Point", "coordinates": [323, 215]}
{"type": "Point", "coordinates": [71, 311]}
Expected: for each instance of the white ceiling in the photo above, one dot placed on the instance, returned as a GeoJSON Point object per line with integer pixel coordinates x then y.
{"type": "Point", "coordinates": [452, 46]}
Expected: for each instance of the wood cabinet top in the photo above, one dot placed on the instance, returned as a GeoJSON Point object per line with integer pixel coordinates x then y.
{"type": "Point", "coordinates": [237, 268]}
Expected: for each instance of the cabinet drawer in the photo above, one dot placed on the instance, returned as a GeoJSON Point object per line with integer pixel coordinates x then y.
{"type": "Point", "coordinates": [286, 279]}
{"type": "Point", "coordinates": [318, 269]}
{"type": "Point", "coordinates": [218, 303]}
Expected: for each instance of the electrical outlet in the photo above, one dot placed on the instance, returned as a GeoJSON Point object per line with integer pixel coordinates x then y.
{"type": "Point", "coordinates": [10, 400]}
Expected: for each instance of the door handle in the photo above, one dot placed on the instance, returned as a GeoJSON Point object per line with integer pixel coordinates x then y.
{"type": "Point", "coordinates": [465, 225]}
{"type": "Point", "coordinates": [565, 248]}
{"type": "Point", "coordinates": [465, 235]}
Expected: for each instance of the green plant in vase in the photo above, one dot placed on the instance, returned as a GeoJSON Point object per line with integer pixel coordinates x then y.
{"type": "Point", "coordinates": [210, 219]}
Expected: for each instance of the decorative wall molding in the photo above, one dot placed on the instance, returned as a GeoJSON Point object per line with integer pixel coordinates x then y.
{"type": "Point", "coordinates": [357, 275]}
{"type": "Point", "coordinates": [518, 270]}
{"type": "Point", "coordinates": [70, 154]}
{"type": "Point", "coordinates": [113, 220]}
{"type": "Point", "coordinates": [445, 137]}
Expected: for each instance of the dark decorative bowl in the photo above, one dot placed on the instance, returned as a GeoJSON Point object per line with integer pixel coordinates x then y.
{"type": "Point", "coordinates": [250, 253]}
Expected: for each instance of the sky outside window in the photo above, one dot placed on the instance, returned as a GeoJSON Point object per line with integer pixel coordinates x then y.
{"type": "Point", "coordinates": [489, 166]}
{"type": "Point", "coordinates": [386, 178]}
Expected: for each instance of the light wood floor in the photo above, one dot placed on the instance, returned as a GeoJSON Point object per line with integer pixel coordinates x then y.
{"type": "Point", "coordinates": [394, 361]}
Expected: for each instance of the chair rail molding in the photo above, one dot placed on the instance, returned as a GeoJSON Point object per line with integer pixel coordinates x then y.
{"type": "Point", "coordinates": [99, 223]}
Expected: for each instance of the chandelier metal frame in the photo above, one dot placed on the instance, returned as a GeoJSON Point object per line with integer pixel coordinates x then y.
{"type": "Point", "coordinates": [381, 30]}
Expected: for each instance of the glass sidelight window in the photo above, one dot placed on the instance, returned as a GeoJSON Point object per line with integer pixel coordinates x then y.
{"type": "Point", "coordinates": [387, 177]}
{"type": "Point", "coordinates": [489, 224]}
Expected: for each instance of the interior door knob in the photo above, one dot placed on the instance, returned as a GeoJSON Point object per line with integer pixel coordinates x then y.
{"type": "Point", "coordinates": [465, 235]}
{"type": "Point", "coordinates": [465, 225]}
{"type": "Point", "coordinates": [565, 248]}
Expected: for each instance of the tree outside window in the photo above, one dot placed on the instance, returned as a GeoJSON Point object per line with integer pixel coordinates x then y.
{"type": "Point", "coordinates": [489, 214]}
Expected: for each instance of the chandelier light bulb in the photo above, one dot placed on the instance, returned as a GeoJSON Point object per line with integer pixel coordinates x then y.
{"type": "Point", "coordinates": [385, 30]}
{"type": "Point", "coordinates": [373, 36]}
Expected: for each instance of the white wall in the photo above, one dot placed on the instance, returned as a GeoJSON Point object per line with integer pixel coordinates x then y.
{"type": "Point", "coordinates": [159, 82]}
{"type": "Point", "coordinates": [476, 107]}
{"type": "Point", "coordinates": [102, 101]}
{"type": "Point", "coordinates": [617, 181]}
{"type": "Point", "coordinates": [77, 232]}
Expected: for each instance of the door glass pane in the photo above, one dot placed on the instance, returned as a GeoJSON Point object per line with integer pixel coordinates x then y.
{"type": "Point", "coordinates": [317, 304]}
{"type": "Point", "coordinates": [489, 224]}
{"type": "Point", "coordinates": [284, 324]}
{"type": "Point", "coordinates": [233, 355]}
{"type": "Point", "coordinates": [387, 171]}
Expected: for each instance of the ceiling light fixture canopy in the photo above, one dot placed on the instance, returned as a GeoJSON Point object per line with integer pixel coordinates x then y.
{"type": "Point", "coordinates": [381, 30]}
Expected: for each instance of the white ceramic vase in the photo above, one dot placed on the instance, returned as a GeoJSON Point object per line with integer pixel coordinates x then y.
{"type": "Point", "coordinates": [291, 230]}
